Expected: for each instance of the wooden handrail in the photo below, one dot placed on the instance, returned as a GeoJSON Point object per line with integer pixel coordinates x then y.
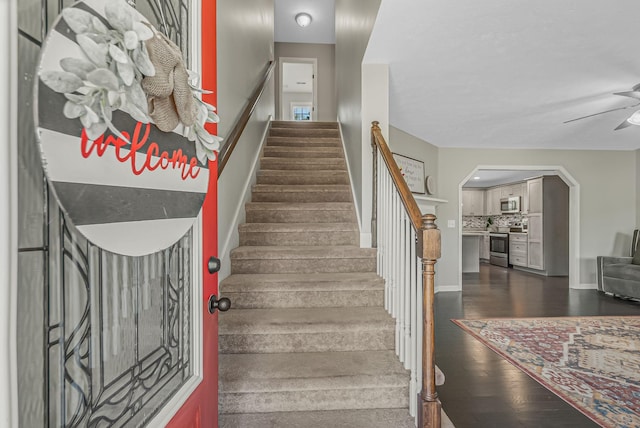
{"type": "Point", "coordinates": [238, 127]}
{"type": "Point", "coordinates": [409, 202]}
{"type": "Point", "coordinates": [428, 248]}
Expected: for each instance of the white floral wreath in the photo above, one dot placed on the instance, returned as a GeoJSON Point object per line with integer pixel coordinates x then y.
{"type": "Point", "coordinates": [110, 77]}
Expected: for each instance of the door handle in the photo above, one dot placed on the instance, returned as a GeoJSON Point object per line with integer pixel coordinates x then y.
{"type": "Point", "coordinates": [223, 304]}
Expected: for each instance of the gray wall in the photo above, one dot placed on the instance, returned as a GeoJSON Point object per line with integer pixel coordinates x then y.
{"type": "Point", "coordinates": [607, 199]}
{"type": "Point", "coordinates": [354, 22]}
{"type": "Point", "coordinates": [245, 45]}
{"type": "Point", "coordinates": [325, 53]}
{"type": "Point", "coordinates": [406, 144]}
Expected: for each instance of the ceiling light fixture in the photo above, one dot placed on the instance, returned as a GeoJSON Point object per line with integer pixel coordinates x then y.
{"type": "Point", "coordinates": [303, 19]}
{"type": "Point", "coordinates": [476, 178]}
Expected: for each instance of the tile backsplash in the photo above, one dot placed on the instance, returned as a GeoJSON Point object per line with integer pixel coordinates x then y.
{"type": "Point", "coordinates": [480, 222]}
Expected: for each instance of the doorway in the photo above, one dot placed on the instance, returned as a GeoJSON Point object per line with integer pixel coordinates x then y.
{"type": "Point", "coordinates": [298, 89]}
{"type": "Point", "coordinates": [523, 173]}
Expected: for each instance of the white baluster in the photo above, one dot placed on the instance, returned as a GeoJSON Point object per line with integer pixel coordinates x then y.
{"type": "Point", "coordinates": [414, 326]}
{"type": "Point", "coordinates": [396, 270]}
{"type": "Point", "coordinates": [387, 243]}
{"type": "Point", "coordinates": [420, 324]}
{"type": "Point", "coordinates": [403, 282]}
{"type": "Point", "coordinates": [407, 262]}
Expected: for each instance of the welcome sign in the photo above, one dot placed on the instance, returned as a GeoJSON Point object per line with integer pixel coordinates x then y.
{"type": "Point", "coordinates": [132, 189]}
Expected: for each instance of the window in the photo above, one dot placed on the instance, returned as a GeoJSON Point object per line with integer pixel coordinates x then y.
{"type": "Point", "coordinates": [301, 113]}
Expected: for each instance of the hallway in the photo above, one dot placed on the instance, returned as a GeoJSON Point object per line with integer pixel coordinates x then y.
{"type": "Point", "coordinates": [484, 390]}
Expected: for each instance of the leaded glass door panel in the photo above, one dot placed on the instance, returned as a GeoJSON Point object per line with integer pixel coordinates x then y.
{"type": "Point", "coordinates": [106, 340]}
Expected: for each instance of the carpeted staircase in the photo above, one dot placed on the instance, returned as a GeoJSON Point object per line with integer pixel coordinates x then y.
{"type": "Point", "coordinates": [307, 342]}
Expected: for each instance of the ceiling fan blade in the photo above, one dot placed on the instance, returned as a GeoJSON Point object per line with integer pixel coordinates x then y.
{"type": "Point", "coordinates": [623, 125]}
{"type": "Point", "coordinates": [595, 114]}
{"type": "Point", "coordinates": [636, 87]}
{"type": "Point", "coordinates": [630, 94]}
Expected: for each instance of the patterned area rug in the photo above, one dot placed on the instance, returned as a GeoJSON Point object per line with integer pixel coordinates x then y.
{"type": "Point", "coordinates": [593, 363]}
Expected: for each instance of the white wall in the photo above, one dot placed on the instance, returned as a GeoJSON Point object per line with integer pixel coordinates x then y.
{"type": "Point", "coordinates": [607, 200]}
{"type": "Point", "coordinates": [375, 108]}
{"type": "Point", "coordinates": [354, 22]}
{"type": "Point", "coordinates": [245, 46]}
{"type": "Point", "coordinates": [326, 84]}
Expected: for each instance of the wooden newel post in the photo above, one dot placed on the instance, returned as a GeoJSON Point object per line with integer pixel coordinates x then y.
{"type": "Point", "coordinates": [374, 198]}
{"type": "Point", "coordinates": [429, 406]}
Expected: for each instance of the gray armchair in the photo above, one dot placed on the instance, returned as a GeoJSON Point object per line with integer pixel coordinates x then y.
{"type": "Point", "coordinates": [620, 276]}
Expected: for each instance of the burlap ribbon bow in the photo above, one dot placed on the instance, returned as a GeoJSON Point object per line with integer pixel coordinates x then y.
{"type": "Point", "coordinates": [169, 95]}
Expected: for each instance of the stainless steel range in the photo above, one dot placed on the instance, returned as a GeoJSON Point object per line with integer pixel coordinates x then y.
{"type": "Point", "coordinates": [499, 249]}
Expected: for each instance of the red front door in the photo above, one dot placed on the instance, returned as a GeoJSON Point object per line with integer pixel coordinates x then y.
{"type": "Point", "coordinates": [201, 408]}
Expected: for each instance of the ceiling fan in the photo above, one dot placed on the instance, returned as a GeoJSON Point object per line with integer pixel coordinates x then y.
{"type": "Point", "coordinates": [634, 119]}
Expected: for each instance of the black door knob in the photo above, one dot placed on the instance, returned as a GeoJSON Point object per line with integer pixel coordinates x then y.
{"type": "Point", "coordinates": [223, 304]}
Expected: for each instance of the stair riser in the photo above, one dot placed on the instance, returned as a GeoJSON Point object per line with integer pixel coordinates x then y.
{"type": "Point", "coordinates": [303, 142]}
{"type": "Point", "coordinates": [300, 401]}
{"type": "Point", "coordinates": [303, 125]}
{"type": "Point", "coordinates": [293, 132]}
{"type": "Point", "coordinates": [302, 196]}
{"type": "Point", "coordinates": [306, 299]}
{"type": "Point", "coordinates": [299, 238]}
{"type": "Point", "coordinates": [326, 177]}
{"type": "Point", "coordinates": [302, 265]}
{"type": "Point", "coordinates": [280, 164]}
{"type": "Point", "coordinates": [299, 216]}
{"type": "Point", "coordinates": [377, 340]}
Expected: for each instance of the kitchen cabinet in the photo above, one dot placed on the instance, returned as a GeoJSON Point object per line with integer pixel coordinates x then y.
{"type": "Point", "coordinates": [548, 226]}
{"type": "Point", "coordinates": [535, 195]}
{"type": "Point", "coordinates": [518, 249]}
{"type": "Point", "coordinates": [535, 256]}
{"type": "Point", "coordinates": [492, 205]}
{"type": "Point", "coordinates": [511, 190]}
{"type": "Point", "coordinates": [485, 246]}
{"type": "Point", "coordinates": [473, 202]}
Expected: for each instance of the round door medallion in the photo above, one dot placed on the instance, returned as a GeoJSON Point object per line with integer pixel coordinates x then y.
{"type": "Point", "coordinates": [128, 186]}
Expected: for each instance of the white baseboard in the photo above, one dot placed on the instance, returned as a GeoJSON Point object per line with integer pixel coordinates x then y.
{"type": "Point", "coordinates": [233, 238]}
{"type": "Point", "coordinates": [584, 287]}
{"type": "Point", "coordinates": [447, 288]}
{"type": "Point", "coordinates": [353, 192]}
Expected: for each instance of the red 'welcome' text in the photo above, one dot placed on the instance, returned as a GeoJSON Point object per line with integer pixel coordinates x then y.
{"type": "Point", "coordinates": [153, 160]}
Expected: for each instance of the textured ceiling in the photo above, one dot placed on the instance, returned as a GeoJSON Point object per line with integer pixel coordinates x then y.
{"type": "Point", "coordinates": [508, 73]}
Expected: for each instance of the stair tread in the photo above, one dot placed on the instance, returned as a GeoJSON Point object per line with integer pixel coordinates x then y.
{"type": "Point", "coordinates": [294, 281]}
{"type": "Point", "coordinates": [301, 188]}
{"type": "Point", "coordinates": [304, 206]}
{"type": "Point", "coordinates": [305, 320]}
{"type": "Point", "coordinates": [272, 252]}
{"type": "Point", "coordinates": [358, 418]}
{"type": "Point", "coordinates": [305, 371]}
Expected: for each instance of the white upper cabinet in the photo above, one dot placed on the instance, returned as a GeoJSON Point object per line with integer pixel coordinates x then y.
{"type": "Point", "coordinates": [534, 196]}
{"type": "Point", "coordinates": [473, 202]}
{"type": "Point", "coordinates": [492, 206]}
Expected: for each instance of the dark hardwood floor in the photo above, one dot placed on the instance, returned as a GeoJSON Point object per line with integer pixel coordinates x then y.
{"type": "Point", "coordinates": [482, 389]}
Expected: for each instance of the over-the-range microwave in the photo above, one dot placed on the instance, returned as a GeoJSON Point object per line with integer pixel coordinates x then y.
{"type": "Point", "coordinates": [510, 205]}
